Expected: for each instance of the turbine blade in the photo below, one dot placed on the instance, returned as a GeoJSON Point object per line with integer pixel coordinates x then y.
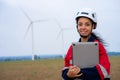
{"type": "Point", "coordinates": [59, 33]}
{"type": "Point", "coordinates": [27, 29]}
{"type": "Point", "coordinates": [36, 21]}
{"type": "Point", "coordinates": [59, 25]}
{"type": "Point", "coordinates": [25, 14]}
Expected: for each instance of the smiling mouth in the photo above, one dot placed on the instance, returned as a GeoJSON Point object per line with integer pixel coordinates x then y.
{"type": "Point", "coordinates": [83, 32]}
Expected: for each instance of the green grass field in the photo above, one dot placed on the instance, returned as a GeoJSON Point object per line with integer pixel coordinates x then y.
{"type": "Point", "coordinates": [49, 69]}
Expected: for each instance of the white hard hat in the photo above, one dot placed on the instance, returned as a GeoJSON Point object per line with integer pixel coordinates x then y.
{"type": "Point", "coordinates": [87, 13]}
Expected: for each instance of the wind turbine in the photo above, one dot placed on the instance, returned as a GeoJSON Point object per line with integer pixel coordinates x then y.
{"type": "Point", "coordinates": [32, 30]}
{"type": "Point", "coordinates": [61, 32]}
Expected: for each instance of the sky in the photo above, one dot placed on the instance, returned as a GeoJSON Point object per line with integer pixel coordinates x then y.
{"type": "Point", "coordinates": [57, 19]}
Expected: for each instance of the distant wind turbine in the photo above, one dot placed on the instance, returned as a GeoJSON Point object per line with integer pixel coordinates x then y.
{"type": "Point", "coordinates": [32, 31]}
{"type": "Point", "coordinates": [61, 32]}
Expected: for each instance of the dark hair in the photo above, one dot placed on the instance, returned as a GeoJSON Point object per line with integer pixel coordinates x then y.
{"type": "Point", "coordinates": [99, 38]}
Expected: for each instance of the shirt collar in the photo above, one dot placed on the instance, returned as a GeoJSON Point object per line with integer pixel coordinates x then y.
{"type": "Point", "coordinates": [91, 39]}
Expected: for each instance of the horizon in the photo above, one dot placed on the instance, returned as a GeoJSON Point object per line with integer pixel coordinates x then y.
{"type": "Point", "coordinates": [109, 53]}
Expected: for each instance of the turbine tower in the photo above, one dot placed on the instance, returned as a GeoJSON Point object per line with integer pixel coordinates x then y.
{"type": "Point", "coordinates": [61, 32]}
{"type": "Point", "coordinates": [32, 30]}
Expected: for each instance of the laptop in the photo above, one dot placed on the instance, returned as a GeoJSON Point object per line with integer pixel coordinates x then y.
{"type": "Point", "coordinates": [85, 54]}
